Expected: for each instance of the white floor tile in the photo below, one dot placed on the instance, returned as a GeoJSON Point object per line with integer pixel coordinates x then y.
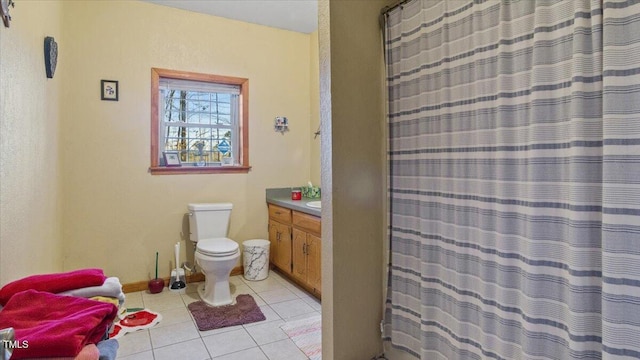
{"type": "Point", "coordinates": [134, 342]}
{"type": "Point", "coordinates": [172, 334]}
{"type": "Point", "coordinates": [188, 350]}
{"type": "Point", "coordinates": [174, 316]}
{"type": "Point", "coordinates": [165, 292]}
{"type": "Point", "coordinates": [236, 280]}
{"type": "Point", "coordinates": [283, 350]}
{"type": "Point", "coordinates": [133, 300]}
{"type": "Point", "coordinates": [177, 336]}
{"type": "Point", "coordinates": [303, 316]}
{"type": "Point", "coordinates": [241, 289]}
{"type": "Point", "coordinates": [269, 314]}
{"type": "Point", "coordinates": [220, 330]}
{"type": "Point", "coordinates": [276, 275]}
{"type": "Point", "coordinates": [249, 354]}
{"type": "Point", "coordinates": [264, 333]}
{"type": "Point", "coordinates": [267, 284]}
{"type": "Point", "coordinates": [291, 308]}
{"type": "Point", "coordinates": [313, 302]}
{"type": "Point", "coordinates": [191, 288]}
{"type": "Point", "coordinates": [258, 299]}
{"type": "Point", "coordinates": [161, 301]}
{"type": "Point", "coordinates": [228, 342]}
{"type": "Point", "coordinates": [277, 295]}
{"type": "Point", "coordinates": [190, 298]}
{"type": "Point", "coordinates": [294, 288]}
{"type": "Point", "coordinates": [147, 355]}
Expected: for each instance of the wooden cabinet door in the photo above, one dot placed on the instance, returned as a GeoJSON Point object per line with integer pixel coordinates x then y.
{"type": "Point", "coordinates": [280, 238]}
{"type": "Point", "coordinates": [273, 247]}
{"type": "Point", "coordinates": [299, 255]}
{"type": "Point", "coordinates": [314, 262]}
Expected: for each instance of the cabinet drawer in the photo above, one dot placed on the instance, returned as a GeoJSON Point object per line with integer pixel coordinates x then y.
{"type": "Point", "coordinates": [307, 222]}
{"type": "Point", "coordinates": [280, 214]}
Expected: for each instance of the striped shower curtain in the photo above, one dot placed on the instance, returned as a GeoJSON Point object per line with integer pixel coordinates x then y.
{"type": "Point", "coordinates": [514, 179]}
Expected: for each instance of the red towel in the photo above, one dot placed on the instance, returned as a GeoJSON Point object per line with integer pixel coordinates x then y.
{"type": "Point", "coordinates": [55, 325]}
{"type": "Point", "coordinates": [54, 283]}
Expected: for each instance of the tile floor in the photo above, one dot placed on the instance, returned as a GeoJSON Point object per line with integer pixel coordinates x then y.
{"type": "Point", "coordinates": [177, 336]}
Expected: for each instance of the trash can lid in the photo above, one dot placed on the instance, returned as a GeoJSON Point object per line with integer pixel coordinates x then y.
{"type": "Point", "coordinates": [256, 242]}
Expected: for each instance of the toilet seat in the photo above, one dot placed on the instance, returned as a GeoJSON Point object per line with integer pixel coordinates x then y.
{"type": "Point", "coordinates": [217, 247]}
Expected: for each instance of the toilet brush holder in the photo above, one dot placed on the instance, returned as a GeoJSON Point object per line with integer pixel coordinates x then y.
{"type": "Point", "coordinates": [156, 285]}
{"type": "Point", "coordinates": [178, 281]}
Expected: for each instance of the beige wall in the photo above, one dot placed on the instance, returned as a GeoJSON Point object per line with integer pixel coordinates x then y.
{"type": "Point", "coordinates": [315, 108]}
{"type": "Point", "coordinates": [352, 111]}
{"type": "Point", "coordinates": [30, 115]}
{"type": "Point", "coordinates": [116, 215]}
{"type": "Point", "coordinates": [78, 193]}
{"type": "Point", "coordinates": [324, 71]}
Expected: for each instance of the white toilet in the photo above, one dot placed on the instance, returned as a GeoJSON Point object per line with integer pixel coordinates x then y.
{"type": "Point", "coordinates": [216, 255]}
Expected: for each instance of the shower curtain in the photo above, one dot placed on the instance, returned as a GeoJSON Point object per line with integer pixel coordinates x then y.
{"type": "Point", "coordinates": [514, 179]}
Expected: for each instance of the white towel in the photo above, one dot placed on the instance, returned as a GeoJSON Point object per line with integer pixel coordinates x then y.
{"type": "Point", "coordinates": [111, 288]}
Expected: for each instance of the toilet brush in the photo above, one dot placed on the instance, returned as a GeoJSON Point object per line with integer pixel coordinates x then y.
{"type": "Point", "coordinates": [177, 283]}
{"type": "Point", "coordinates": [156, 285]}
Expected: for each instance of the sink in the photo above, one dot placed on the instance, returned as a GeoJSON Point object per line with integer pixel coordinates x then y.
{"type": "Point", "coordinates": [315, 204]}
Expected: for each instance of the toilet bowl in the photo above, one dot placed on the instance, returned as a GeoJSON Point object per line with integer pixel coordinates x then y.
{"type": "Point", "coordinates": [216, 258]}
{"type": "Point", "coordinates": [215, 254]}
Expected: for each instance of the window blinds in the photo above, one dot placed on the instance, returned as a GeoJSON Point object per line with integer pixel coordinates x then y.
{"type": "Point", "coordinates": [197, 86]}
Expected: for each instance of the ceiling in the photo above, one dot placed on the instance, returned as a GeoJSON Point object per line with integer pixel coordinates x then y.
{"type": "Point", "coordinates": [294, 15]}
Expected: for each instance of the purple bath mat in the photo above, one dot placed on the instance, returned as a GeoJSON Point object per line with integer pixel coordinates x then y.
{"type": "Point", "coordinates": [244, 311]}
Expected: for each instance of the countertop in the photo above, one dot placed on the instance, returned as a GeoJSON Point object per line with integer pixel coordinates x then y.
{"type": "Point", "coordinates": [282, 197]}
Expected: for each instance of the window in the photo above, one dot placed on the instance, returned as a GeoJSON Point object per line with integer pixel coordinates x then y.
{"type": "Point", "coordinates": [203, 119]}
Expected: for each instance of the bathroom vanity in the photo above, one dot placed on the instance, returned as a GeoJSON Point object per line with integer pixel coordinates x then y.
{"type": "Point", "coordinates": [294, 233]}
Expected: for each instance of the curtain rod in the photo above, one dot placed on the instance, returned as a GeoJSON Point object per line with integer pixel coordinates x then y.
{"type": "Point", "coordinates": [385, 10]}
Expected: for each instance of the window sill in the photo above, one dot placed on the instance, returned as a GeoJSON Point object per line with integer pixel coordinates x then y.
{"type": "Point", "coordinates": [175, 170]}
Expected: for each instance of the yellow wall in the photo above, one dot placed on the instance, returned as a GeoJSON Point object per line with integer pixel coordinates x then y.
{"type": "Point", "coordinates": [116, 215]}
{"type": "Point", "coordinates": [75, 186]}
{"type": "Point", "coordinates": [30, 170]}
{"type": "Point", "coordinates": [315, 109]}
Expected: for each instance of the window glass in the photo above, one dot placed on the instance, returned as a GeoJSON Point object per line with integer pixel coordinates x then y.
{"type": "Point", "coordinates": [201, 118]}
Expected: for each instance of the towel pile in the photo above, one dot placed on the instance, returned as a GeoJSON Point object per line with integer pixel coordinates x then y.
{"type": "Point", "coordinates": [62, 315]}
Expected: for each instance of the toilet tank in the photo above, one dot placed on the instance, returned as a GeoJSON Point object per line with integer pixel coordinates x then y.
{"type": "Point", "coordinates": [209, 220]}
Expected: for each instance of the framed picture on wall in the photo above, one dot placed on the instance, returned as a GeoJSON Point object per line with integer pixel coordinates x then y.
{"type": "Point", "coordinates": [109, 90]}
{"type": "Point", "coordinates": [171, 158]}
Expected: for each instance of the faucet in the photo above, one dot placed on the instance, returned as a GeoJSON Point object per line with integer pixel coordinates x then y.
{"type": "Point", "coordinates": [7, 336]}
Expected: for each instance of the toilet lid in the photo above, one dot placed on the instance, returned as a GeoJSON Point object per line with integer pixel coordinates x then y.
{"type": "Point", "coordinates": [217, 247]}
